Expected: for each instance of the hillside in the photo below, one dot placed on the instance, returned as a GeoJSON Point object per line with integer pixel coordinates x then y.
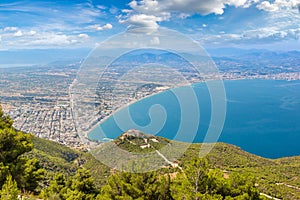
{"type": "Point", "coordinates": [276, 177]}
{"type": "Point", "coordinates": [55, 158]}
{"type": "Point", "coordinates": [273, 176]}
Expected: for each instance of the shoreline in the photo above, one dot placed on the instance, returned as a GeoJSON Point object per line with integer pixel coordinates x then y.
{"type": "Point", "coordinates": [256, 149]}
{"type": "Point", "coordinates": [180, 86]}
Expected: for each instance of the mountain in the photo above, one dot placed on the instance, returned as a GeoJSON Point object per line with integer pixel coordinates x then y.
{"type": "Point", "coordinates": [56, 158]}
{"type": "Point", "coordinates": [23, 57]}
{"type": "Point", "coordinates": [256, 56]}
{"type": "Point", "coordinates": [136, 141]}
{"type": "Point", "coordinates": [275, 177]}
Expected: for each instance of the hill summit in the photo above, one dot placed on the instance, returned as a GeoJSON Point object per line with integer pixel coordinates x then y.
{"type": "Point", "coordinates": [137, 141]}
{"type": "Point", "coordinates": [133, 133]}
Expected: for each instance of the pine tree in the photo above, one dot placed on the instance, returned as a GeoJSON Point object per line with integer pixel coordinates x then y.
{"type": "Point", "coordinates": [124, 185]}
{"type": "Point", "coordinates": [13, 145]}
{"type": "Point", "coordinates": [5, 120]}
{"type": "Point", "coordinates": [9, 190]}
{"type": "Point", "coordinates": [193, 181]}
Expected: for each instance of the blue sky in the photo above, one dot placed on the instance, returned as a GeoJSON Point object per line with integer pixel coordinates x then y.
{"type": "Point", "coordinates": [213, 23]}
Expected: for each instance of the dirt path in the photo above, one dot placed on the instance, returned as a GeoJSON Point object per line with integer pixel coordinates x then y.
{"type": "Point", "coordinates": [169, 162]}
{"type": "Point", "coordinates": [290, 186]}
{"type": "Point", "coordinates": [269, 197]}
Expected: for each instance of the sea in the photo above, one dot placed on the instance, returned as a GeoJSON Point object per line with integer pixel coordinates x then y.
{"type": "Point", "coordinates": [262, 117]}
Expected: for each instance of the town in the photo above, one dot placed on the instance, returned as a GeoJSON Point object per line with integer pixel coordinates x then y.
{"type": "Point", "coordinates": [38, 100]}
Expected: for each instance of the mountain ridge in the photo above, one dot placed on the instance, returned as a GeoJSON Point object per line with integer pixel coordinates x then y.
{"type": "Point", "coordinates": [275, 177]}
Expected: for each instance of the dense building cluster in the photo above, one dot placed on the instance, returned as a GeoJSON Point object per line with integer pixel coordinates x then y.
{"type": "Point", "coordinates": [38, 98]}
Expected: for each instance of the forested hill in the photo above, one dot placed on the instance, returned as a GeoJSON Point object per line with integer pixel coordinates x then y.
{"type": "Point", "coordinates": [41, 169]}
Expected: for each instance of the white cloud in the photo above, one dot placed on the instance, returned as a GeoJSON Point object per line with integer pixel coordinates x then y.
{"type": "Point", "coordinates": [276, 26]}
{"type": "Point", "coordinates": [83, 35]}
{"type": "Point", "coordinates": [18, 33]}
{"type": "Point", "coordinates": [155, 41]}
{"type": "Point", "coordinates": [278, 5]}
{"type": "Point", "coordinates": [126, 11]}
{"type": "Point", "coordinates": [142, 20]}
{"type": "Point", "coordinates": [47, 24]}
{"type": "Point", "coordinates": [183, 15]}
{"type": "Point", "coordinates": [107, 26]}
{"type": "Point", "coordinates": [113, 10]}
{"type": "Point", "coordinates": [202, 7]}
{"type": "Point", "coordinates": [10, 28]}
{"type": "Point", "coordinates": [265, 5]}
{"type": "Point", "coordinates": [250, 3]}
{"type": "Point", "coordinates": [255, 36]}
{"type": "Point", "coordinates": [148, 13]}
{"type": "Point", "coordinates": [102, 28]}
{"type": "Point", "coordinates": [31, 33]}
{"type": "Point", "coordinates": [50, 39]}
{"type": "Point", "coordinates": [101, 7]}
{"type": "Point", "coordinates": [30, 39]}
{"type": "Point", "coordinates": [50, 16]}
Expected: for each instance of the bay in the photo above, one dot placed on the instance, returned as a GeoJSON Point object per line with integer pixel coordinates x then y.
{"type": "Point", "coordinates": [263, 116]}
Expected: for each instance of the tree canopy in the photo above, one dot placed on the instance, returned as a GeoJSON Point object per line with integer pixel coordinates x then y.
{"type": "Point", "coordinates": [13, 164]}
{"type": "Point", "coordinates": [195, 181]}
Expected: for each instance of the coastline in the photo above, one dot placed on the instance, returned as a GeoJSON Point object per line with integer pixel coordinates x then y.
{"type": "Point", "coordinates": [246, 137]}
{"type": "Point", "coordinates": [180, 86]}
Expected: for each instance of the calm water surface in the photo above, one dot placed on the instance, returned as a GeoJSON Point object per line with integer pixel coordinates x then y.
{"type": "Point", "coordinates": [263, 116]}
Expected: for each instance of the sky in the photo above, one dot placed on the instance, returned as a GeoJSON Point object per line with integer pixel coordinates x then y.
{"type": "Point", "coordinates": [263, 24]}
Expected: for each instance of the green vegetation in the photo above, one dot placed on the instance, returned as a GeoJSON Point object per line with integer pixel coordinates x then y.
{"type": "Point", "coordinates": [197, 181]}
{"type": "Point", "coordinates": [273, 177]}
{"type": "Point", "coordinates": [13, 144]}
{"type": "Point", "coordinates": [133, 143]}
{"type": "Point", "coordinates": [41, 169]}
{"type": "Point", "coordinates": [124, 185]}
{"type": "Point", "coordinates": [56, 158]}
{"type": "Point", "coordinates": [80, 186]}
{"type": "Point", "coordinates": [9, 189]}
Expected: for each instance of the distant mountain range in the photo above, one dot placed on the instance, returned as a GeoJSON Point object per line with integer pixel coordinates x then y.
{"type": "Point", "coordinates": [25, 57]}
{"type": "Point", "coordinates": [45, 56]}
{"type": "Point", "coordinates": [236, 52]}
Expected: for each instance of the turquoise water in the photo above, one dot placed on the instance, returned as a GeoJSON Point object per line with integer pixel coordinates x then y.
{"type": "Point", "coordinates": [263, 116]}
